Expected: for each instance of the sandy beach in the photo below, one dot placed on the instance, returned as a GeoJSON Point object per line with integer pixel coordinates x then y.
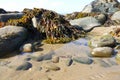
{"type": "Point", "coordinates": [100, 69]}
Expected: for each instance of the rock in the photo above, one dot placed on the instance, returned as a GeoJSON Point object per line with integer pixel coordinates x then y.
{"type": "Point", "coordinates": [55, 59]}
{"type": "Point", "coordinates": [101, 18]}
{"type": "Point", "coordinates": [69, 62]}
{"type": "Point", "coordinates": [8, 16]}
{"type": "Point", "coordinates": [102, 6]}
{"type": "Point", "coordinates": [115, 16]}
{"type": "Point", "coordinates": [24, 66]}
{"type": "Point", "coordinates": [87, 23]}
{"type": "Point", "coordinates": [52, 67]}
{"type": "Point", "coordinates": [11, 38]}
{"type": "Point", "coordinates": [27, 59]}
{"type": "Point", "coordinates": [26, 48]}
{"type": "Point", "coordinates": [83, 60]}
{"type": "Point", "coordinates": [117, 47]}
{"type": "Point", "coordinates": [47, 56]}
{"type": "Point", "coordinates": [2, 11]}
{"type": "Point", "coordinates": [103, 41]}
{"type": "Point", "coordinates": [102, 52]}
{"type": "Point", "coordinates": [117, 57]}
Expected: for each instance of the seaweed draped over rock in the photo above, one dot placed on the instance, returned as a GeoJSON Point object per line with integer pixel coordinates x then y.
{"type": "Point", "coordinates": [50, 24]}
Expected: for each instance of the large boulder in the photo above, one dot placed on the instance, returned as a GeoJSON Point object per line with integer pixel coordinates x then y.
{"type": "Point", "coordinates": [87, 23]}
{"type": "Point", "coordinates": [102, 52]}
{"type": "Point", "coordinates": [115, 16]}
{"type": "Point", "coordinates": [2, 11]}
{"type": "Point", "coordinates": [103, 41]}
{"type": "Point", "coordinates": [11, 38]}
{"type": "Point", "coordinates": [8, 16]}
{"type": "Point", "coordinates": [102, 6]}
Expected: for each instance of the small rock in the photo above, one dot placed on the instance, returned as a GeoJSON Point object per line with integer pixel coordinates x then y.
{"type": "Point", "coordinates": [118, 58]}
{"type": "Point", "coordinates": [69, 62]}
{"type": "Point", "coordinates": [102, 52]}
{"type": "Point", "coordinates": [52, 67]}
{"type": "Point", "coordinates": [117, 47]}
{"type": "Point", "coordinates": [55, 59]}
{"type": "Point", "coordinates": [24, 66]}
{"type": "Point", "coordinates": [27, 59]}
{"type": "Point", "coordinates": [84, 60]}
{"type": "Point", "coordinates": [26, 48]}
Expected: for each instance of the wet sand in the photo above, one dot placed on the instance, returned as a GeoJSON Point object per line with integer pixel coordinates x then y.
{"type": "Point", "coordinates": [100, 69]}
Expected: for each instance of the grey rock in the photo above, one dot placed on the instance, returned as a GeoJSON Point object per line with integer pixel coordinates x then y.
{"type": "Point", "coordinates": [116, 16]}
{"type": "Point", "coordinates": [83, 60]}
{"type": "Point", "coordinates": [102, 52]}
{"type": "Point", "coordinates": [102, 6]}
{"type": "Point", "coordinates": [103, 41]}
{"type": "Point", "coordinates": [24, 66]}
{"type": "Point", "coordinates": [8, 16]}
{"type": "Point", "coordinates": [69, 62]}
{"type": "Point", "coordinates": [87, 23]}
{"type": "Point", "coordinates": [11, 38]}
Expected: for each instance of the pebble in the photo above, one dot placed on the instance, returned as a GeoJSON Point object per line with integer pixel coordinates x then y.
{"type": "Point", "coordinates": [55, 59]}
{"type": "Point", "coordinates": [83, 60]}
{"type": "Point", "coordinates": [69, 62]}
{"type": "Point", "coordinates": [24, 66]}
{"type": "Point", "coordinates": [52, 67]}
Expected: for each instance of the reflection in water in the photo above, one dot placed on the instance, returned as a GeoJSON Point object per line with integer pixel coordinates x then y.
{"type": "Point", "coordinates": [75, 48]}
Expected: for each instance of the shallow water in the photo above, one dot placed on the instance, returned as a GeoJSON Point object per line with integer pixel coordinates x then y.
{"type": "Point", "coordinates": [74, 48]}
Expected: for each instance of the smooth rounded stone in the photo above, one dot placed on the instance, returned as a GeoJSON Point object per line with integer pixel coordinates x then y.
{"type": "Point", "coordinates": [101, 63]}
{"type": "Point", "coordinates": [102, 18]}
{"type": "Point", "coordinates": [69, 62]}
{"type": "Point", "coordinates": [102, 52]}
{"type": "Point", "coordinates": [26, 48]}
{"type": "Point", "coordinates": [83, 60]}
{"type": "Point", "coordinates": [55, 59]}
{"type": "Point", "coordinates": [103, 41]}
{"type": "Point", "coordinates": [44, 57]}
{"type": "Point", "coordinates": [52, 67]}
{"type": "Point", "coordinates": [115, 16]}
{"type": "Point", "coordinates": [11, 38]}
{"type": "Point", "coordinates": [24, 66]}
{"type": "Point", "coordinates": [86, 23]}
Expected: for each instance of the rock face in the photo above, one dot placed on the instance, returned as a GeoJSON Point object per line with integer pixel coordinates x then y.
{"type": "Point", "coordinates": [103, 6]}
{"type": "Point", "coordinates": [2, 11]}
{"type": "Point", "coordinates": [102, 52]}
{"type": "Point", "coordinates": [11, 37]}
{"type": "Point", "coordinates": [6, 17]}
{"type": "Point", "coordinates": [87, 23]}
{"type": "Point", "coordinates": [105, 40]}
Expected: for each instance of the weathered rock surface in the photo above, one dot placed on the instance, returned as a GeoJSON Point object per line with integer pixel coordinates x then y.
{"type": "Point", "coordinates": [11, 38]}
{"type": "Point", "coordinates": [52, 67]}
{"type": "Point", "coordinates": [102, 52]}
{"type": "Point", "coordinates": [24, 66]}
{"type": "Point", "coordinates": [115, 16]}
{"type": "Point", "coordinates": [87, 23]}
{"type": "Point", "coordinates": [6, 17]}
{"type": "Point", "coordinates": [102, 41]}
{"type": "Point", "coordinates": [102, 6]}
{"type": "Point", "coordinates": [2, 11]}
